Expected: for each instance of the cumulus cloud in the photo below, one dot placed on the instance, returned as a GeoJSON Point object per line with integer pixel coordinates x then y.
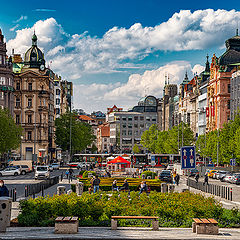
{"type": "Point", "coordinates": [126, 95]}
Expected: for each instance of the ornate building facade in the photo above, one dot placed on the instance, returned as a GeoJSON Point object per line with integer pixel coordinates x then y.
{"type": "Point", "coordinates": [6, 78]}
{"type": "Point", "coordinates": [34, 106]}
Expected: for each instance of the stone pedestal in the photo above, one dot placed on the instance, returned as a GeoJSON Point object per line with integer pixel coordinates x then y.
{"type": "Point", "coordinates": [212, 229]}
{"type": "Point", "coordinates": [61, 190]}
{"type": "Point", "coordinates": [79, 188]}
{"type": "Point", "coordinates": [194, 227]}
{"type": "Point", "coordinates": [155, 225]}
{"type": "Point", "coordinates": [200, 228]}
{"type": "Point", "coordinates": [164, 188]}
{"type": "Point", "coordinates": [5, 213]}
{"type": "Point", "coordinates": [66, 227]}
{"type": "Point", "coordinates": [113, 224]}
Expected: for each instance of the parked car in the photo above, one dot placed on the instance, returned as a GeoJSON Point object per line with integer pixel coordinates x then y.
{"type": "Point", "coordinates": [228, 177]}
{"type": "Point", "coordinates": [170, 167]}
{"type": "Point", "coordinates": [25, 169]}
{"type": "Point", "coordinates": [42, 172]}
{"type": "Point", "coordinates": [215, 175]}
{"type": "Point", "coordinates": [50, 168]}
{"type": "Point", "coordinates": [166, 176]}
{"type": "Point", "coordinates": [10, 171]}
{"type": "Point", "coordinates": [55, 166]}
{"type": "Point", "coordinates": [236, 178]}
{"type": "Point", "coordinates": [211, 172]}
{"type": "Point", "coordinates": [220, 174]}
{"type": "Point", "coordinates": [193, 172]}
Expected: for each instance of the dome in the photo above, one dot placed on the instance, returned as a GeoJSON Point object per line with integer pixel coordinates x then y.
{"type": "Point", "coordinates": [34, 56]}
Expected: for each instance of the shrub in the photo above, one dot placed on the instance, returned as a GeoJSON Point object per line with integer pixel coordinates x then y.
{"type": "Point", "coordinates": [149, 173]}
{"type": "Point", "coordinates": [85, 174]}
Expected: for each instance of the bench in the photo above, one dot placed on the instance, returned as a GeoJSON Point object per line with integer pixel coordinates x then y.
{"type": "Point", "coordinates": [66, 225]}
{"type": "Point", "coordinates": [205, 226]}
{"type": "Point", "coordinates": [155, 221]}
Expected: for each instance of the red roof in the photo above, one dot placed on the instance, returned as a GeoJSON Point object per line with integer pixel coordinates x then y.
{"type": "Point", "coordinates": [119, 160]}
{"type": "Point", "coordinates": [85, 117]}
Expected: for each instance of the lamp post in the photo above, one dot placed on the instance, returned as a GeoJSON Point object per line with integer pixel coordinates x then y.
{"type": "Point", "coordinates": [21, 155]}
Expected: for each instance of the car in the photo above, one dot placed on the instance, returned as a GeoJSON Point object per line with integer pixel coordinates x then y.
{"type": "Point", "coordinates": [42, 172]}
{"type": "Point", "coordinates": [166, 176]}
{"type": "Point", "coordinates": [236, 178]}
{"type": "Point", "coordinates": [222, 175]}
{"type": "Point", "coordinates": [170, 167]}
{"type": "Point", "coordinates": [193, 172]}
{"type": "Point", "coordinates": [207, 171]}
{"type": "Point", "coordinates": [228, 177]}
{"type": "Point", "coordinates": [23, 168]}
{"type": "Point", "coordinates": [211, 172]}
{"type": "Point", "coordinates": [55, 166]}
{"type": "Point", "coordinates": [10, 171]}
{"type": "Point", "coordinates": [50, 168]}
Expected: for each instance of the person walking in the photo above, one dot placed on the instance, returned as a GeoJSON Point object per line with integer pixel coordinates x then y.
{"type": "Point", "coordinates": [143, 187]}
{"type": "Point", "coordinates": [96, 183]}
{"type": "Point", "coordinates": [205, 179]}
{"type": "Point", "coordinates": [70, 174]}
{"type": "Point", "coordinates": [114, 186]}
{"type": "Point", "coordinates": [177, 179]}
{"type": "Point", "coordinates": [197, 177]}
{"type": "Point", "coordinates": [3, 190]}
{"type": "Point", "coordinates": [125, 186]}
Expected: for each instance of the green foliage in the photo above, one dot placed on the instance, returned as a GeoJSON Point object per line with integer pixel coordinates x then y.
{"type": "Point", "coordinates": [167, 141]}
{"type": "Point", "coordinates": [227, 140]}
{"type": "Point", "coordinates": [136, 149]}
{"type": "Point", "coordinates": [85, 174]}
{"type": "Point", "coordinates": [173, 210]}
{"type": "Point", "coordinates": [82, 134]}
{"type": "Point", "coordinates": [149, 173]}
{"type": "Point", "coordinates": [10, 133]}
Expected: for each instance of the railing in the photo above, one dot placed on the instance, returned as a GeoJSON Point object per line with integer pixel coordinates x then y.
{"type": "Point", "coordinates": [221, 191]}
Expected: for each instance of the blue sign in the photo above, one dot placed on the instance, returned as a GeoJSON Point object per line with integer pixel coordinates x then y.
{"type": "Point", "coordinates": [233, 162]}
{"type": "Point", "coordinates": [188, 157]}
{"type": "Point", "coordinates": [153, 160]}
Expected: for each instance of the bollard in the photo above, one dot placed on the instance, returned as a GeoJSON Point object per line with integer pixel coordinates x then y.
{"type": "Point", "coordinates": [5, 213]}
{"type": "Point", "coordinates": [164, 187]}
{"type": "Point", "coordinates": [230, 194]}
{"type": "Point", "coordinates": [79, 188]}
{"type": "Point", "coordinates": [25, 191]}
{"type": "Point", "coordinates": [42, 190]}
{"type": "Point", "coordinates": [61, 190]}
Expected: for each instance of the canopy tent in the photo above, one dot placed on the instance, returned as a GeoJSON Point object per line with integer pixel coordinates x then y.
{"type": "Point", "coordinates": [119, 162]}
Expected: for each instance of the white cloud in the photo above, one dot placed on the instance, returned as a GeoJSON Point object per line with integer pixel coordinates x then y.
{"type": "Point", "coordinates": [101, 96]}
{"type": "Point", "coordinates": [21, 18]}
{"type": "Point", "coordinates": [197, 69]}
{"type": "Point", "coordinates": [14, 28]}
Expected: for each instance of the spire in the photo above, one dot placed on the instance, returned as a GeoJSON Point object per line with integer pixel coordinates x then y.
{"type": "Point", "coordinates": [207, 67]}
{"type": "Point", "coordinates": [34, 39]}
{"type": "Point", "coordinates": [165, 80]}
{"type": "Point", "coordinates": [168, 79]}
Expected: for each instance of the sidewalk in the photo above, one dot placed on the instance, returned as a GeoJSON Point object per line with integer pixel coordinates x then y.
{"type": "Point", "coordinates": [122, 233]}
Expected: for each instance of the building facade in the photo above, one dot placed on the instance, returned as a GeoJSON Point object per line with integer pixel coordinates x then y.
{"type": "Point", "coordinates": [103, 138]}
{"type": "Point", "coordinates": [6, 78]}
{"type": "Point", "coordinates": [235, 94]}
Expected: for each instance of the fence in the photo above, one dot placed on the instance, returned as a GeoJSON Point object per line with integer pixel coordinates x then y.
{"type": "Point", "coordinates": [221, 191]}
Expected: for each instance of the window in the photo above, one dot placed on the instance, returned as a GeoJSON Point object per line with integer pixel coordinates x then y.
{"type": "Point", "coordinates": [142, 118]}
{"type": "Point", "coordinates": [229, 104]}
{"type": "Point", "coordinates": [129, 118]}
{"type": "Point", "coordinates": [136, 132]}
{"type": "Point", "coordinates": [17, 119]}
{"type": "Point", "coordinates": [29, 86]}
{"type": "Point", "coordinates": [124, 133]}
{"type": "Point", "coordinates": [2, 80]}
{"type": "Point", "coordinates": [57, 101]}
{"type": "Point", "coordinates": [136, 118]}
{"type": "Point", "coordinates": [136, 125]}
{"type": "Point", "coordinates": [18, 86]}
{"type": "Point", "coordinates": [188, 118]}
{"type": "Point", "coordinates": [148, 118]}
{"type": "Point", "coordinates": [57, 110]}
{"type": "Point", "coordinates": [29, 118]}
{"type": "Point", "coordinates": [129, 125]}
{"type": "Point", "coordinates": [29, 135]}
{"type": "Point", "coordinates": [154, 119]}
{"type": "Point", "coordinates": [129, 132]}
{"type": "Point", "coordinates": [17, 102]}
{"type": "Point", "coordinates": [124, 125]}
{"type": "Point", "coordinates": [142, 125]}
{"type": "Point", "coordinates": [57, 91]}
{"type": "Point", "coordinates": [229, 88]}
{"type": "Point", "coordinates": [29, 102]}
{"type": "Point", "coordinates": [105, 139]}
{"type": "Point", "coordinates": [124, 118]}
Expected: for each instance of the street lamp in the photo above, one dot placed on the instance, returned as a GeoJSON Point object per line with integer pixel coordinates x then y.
{"type": "Point", "coordinates": [21, 155]}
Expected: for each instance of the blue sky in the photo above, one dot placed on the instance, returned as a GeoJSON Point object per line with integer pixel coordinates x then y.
{"type": "Point", "coordinates": [115, 52]}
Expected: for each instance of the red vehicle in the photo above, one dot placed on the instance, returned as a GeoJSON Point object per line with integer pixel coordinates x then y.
{"type": "Point", "coordinates": [73, 164]}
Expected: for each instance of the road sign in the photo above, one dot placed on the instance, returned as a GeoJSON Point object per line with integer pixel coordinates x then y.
{"type": "Point", "coordinates": [188, 157]}
{"type": "Point", "coordinates": [153, 163]}
{"type": "Point", "coordinates": [233, 162]}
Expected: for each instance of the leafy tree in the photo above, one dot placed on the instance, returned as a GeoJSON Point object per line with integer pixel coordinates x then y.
{"type": "Point", "coordinates": [81, 137]}
{"type": "Point", "coordinates": [136, 149]}
{"type": "Point", "coordinates": [10, 133]}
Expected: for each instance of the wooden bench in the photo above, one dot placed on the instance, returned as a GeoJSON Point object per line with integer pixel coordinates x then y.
{"type": "Point", "coordinates": [155, 221]}
{"type": "Point", "coordinates": [205, 226]}
{"type": "Point", "coordinates": [66, 225]}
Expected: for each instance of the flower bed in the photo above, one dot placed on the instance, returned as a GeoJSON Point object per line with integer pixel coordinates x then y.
{"type": "Point", "coordinates": [174, 210]}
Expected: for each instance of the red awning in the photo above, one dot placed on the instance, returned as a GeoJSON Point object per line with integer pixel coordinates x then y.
{"type": "Point", "coordinates": [119, 160]}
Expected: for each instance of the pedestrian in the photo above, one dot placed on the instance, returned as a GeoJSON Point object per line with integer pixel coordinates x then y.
{"type": "Point", "coordinates": [67, 173]}
{"type": "Point", "coordinates": [143, 187]}
{"type": "Point", "coordinates": [197, 177]}
{"type": "Point", "coordinates": [177, 179]}
{"type": "Point", "coordinates": [114, 186]}
{"type": "Point", "coordinates": [205, 179]}
{"type": "Point", "coordinates": [96, 184]}
{"type": "Point", "coordinates": [70, 174]}
{"type": "Point", "coordinates": [90, 189]}
{"type": "Point", "coordinates": [125, 186]}
{"type": "Point", "coordinates": [3, 190]}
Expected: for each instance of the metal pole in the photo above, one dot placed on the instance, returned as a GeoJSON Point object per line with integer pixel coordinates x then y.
{"type": "Point", "coordinates": [70, 134]}
{"type": "Point", "coordinates": [217, 146]}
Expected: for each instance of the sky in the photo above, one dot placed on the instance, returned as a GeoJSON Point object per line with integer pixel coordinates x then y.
{"type": "Point", "coordinates": [116, 52]}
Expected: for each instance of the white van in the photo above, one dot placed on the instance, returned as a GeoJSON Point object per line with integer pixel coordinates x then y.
{"type": "Point", "coordinates": [42, 172]}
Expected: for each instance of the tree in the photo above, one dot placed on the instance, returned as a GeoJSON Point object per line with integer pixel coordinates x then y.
{"type": "Point", "coordinates": [136, 149]}
{"type": "Point", "coordinates": [10, 133]}
{"type": "Point", "coordinates": [81, 137]}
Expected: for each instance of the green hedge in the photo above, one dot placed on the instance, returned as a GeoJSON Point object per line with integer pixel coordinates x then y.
{"type": "Point", "coordinates": [85, 174]}
{"type": "Point", "coordinates": [149, 174]}
{"type": "Point", "coordinates": [173, 210]}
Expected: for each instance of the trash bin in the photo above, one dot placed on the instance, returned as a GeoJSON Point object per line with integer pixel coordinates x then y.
{"type": "Point", "coordinates": [171, 188]}
{"type": "Point", "coordinates": [79, 188]}
{"type": "Point", "coordinates": [5, 213]}
{"type": "Point", "coordinates": [61, 190]}
{"type": "Point", "coordinates": [164, 188]}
